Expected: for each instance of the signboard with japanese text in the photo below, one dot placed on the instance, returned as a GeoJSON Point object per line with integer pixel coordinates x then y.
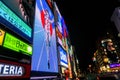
{"type": "Point", "coordinates": [15, 44]}
{"type": "Point", "coordinates": [14, 23]}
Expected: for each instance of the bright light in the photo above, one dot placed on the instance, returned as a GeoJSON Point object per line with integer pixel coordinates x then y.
{"type": "Point", "coordinates": [29, 49]}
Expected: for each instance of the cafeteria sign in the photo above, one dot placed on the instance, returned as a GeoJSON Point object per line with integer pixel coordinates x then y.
{"type": "Point", "coordinates": [11, 70]}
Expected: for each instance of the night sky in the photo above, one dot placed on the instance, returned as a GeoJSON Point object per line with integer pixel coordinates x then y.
{"type": "Point", "coordinates": [87, 21]}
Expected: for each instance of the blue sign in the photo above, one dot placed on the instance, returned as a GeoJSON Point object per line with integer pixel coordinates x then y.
{"type": "Point", "coordinates": [13, 22]}
{"type": "Point", "coordinates": [44, 56]}
{"type": "Point", "coordinates": [63, 57]}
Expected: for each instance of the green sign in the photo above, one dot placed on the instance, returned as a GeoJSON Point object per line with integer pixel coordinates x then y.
{"type": "Point", "coordinates": [11, 17]}
{"type": "Point", "coordinates": [15, 44]}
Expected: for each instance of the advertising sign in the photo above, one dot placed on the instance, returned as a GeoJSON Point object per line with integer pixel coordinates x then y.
{"type": "Point", "coordinates": [61, 29]}
{"type": "Point", "coordinates": [65, 34]}
{"type": "Point", "coordinates": [58, 18]}
{"type": "Point", "coordinates": [44, 56]}
{"type": "Point", "coordinates": [16, 44]}
{"type": "Point", "coordinates": [69, 66]}
{"type": "Point", "coordinates": [63, 57]}
{"type": "Point", "coordinates": [2, 33]}
{"type": "Point", "coordinates": [11, 70]}
{"type": "Point", "coordinates": [15, 23]}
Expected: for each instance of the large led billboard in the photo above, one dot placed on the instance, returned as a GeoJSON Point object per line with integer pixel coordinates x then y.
{"type": "Point", "coordinates": [63, 56]}
{"type": "Point", "coordinates": [44, 56]}
{"type": "Point", "coordinates": [14, 23]}
{"type": "Point", "coordinates": [58, 18]}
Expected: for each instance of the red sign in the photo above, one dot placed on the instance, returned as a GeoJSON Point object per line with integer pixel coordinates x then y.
{"type": "Point", "coordinates": [14, 70]}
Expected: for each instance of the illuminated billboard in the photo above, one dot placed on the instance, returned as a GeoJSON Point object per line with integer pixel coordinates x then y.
{"type": "Point", "coordinates": [65, 34]}
{"type": "Point", "coordinates": [16, 44]}
{"type": "Point", "coordinates": [13, 22]}
{"type": "Point", "coordinates": [44, 56]}
{"type": "Point", "coordinates": [58, 18]}
{"type": "Point", "coordinates": [61, 29]}
{"type": "Point", "coordinates": [63, 56]}
{"type": "Point", "coordinates": [12, 70]}
{"type": "Point", "coordinates": [59, 37]}
{"type": "Point", "coordinates": [2, 33]}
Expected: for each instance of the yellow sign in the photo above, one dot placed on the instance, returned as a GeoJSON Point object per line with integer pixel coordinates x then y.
{"type": "Point", "coordinates": [2, 33]}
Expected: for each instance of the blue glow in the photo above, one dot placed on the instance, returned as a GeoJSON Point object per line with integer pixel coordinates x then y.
{"type": "Point", "coordinates": [44, 42]}
{"type": "Point", "coordinates": [63, 57]}
{"type": "Point", "coordinates": [12, 18]}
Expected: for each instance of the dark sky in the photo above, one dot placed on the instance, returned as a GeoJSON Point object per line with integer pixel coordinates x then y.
{"type": "Point", "coordinates": [87, 20]}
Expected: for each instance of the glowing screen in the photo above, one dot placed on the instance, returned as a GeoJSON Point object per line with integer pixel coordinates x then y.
{"type": "Point", "coordinates": [8, 15]}
{"type": "Point", "coordinates": [44, 56]}
{"type": "Point", "coordinates": [15, 44]}
{"type": "Point", "coordinates": [61, 29]}
{"type": "Point", "coordinates": [63, 57]}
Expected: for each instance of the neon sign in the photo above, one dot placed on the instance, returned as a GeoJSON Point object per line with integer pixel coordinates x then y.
{"type": "Point", "coordinates": [114, 65]}
{"type": "Point", "coordinates": [8, 15]}
{"type": "Point", "coordinates": [2, 33]}
{"type": "Point", "coordinates": [15, 44]}
{"type": "Point", "coordinates": [14, 70]}
{"type": "Point", "coordinates": [63, 57]}
{"type": "Point", "coordinates": [11, 70]}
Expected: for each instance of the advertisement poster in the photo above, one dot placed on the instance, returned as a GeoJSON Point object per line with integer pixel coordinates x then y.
{"type": "Point", "coordinates": [44, 42]}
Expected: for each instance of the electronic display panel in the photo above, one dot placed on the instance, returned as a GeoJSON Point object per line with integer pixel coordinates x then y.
{"type": "Point", "coordinates": [63, 56]}
{"type": "Point", "coordinates": [58, 18]}
{"type": "Point", "coordinates": [2, 33]}
{"type": "Point", "coordinates": [65, 34]}
{"type": "Point", "coordinates": [44, 56]}
{"type": "Point", "coordinates": [61, 29]}
{"type": "Point", "coordinates": [59, 37]}
{"type": "Point", "coordinates": [16, 44]}
{"type": "Point", "coordinates": [14, 23]}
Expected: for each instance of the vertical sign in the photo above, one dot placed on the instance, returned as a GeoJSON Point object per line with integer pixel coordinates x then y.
{"type": "Point", "coordinates": [2, 33]}
{"type": "Point", "coordinates": [44, 56]}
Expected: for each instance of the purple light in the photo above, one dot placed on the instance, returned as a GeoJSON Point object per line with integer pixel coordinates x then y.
{"type": "Point", "coordinates": [114, 65]}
